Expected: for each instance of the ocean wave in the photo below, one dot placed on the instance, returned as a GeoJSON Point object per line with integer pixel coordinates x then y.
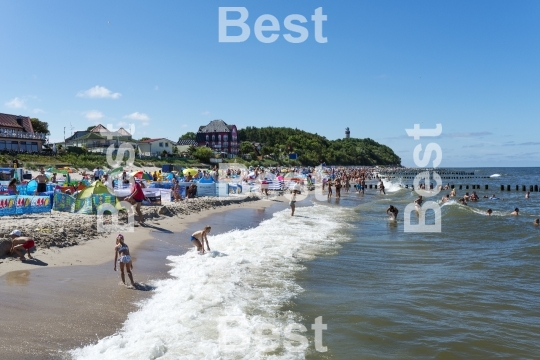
{"type": "Point", "coordinates": [247, 278]}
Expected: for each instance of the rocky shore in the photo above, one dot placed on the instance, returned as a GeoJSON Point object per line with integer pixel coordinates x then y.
{"type": "Point", "coordinates": [60, 229]}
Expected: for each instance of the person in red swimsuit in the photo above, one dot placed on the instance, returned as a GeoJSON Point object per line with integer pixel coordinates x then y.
{"type": "Point", "coordinates": [136, 198]}
{"type": "Point", "coordinates": [20, 244]}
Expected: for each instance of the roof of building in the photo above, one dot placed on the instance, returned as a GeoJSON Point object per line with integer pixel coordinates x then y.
{"type": "Point", "coordinates": [123, 132]}
{"type": "Point", "coordinates": [17, 122]}
{"type": "Point", "coordinates": [154, 140]}
{"type": "Point", "coordinates": [216, 126]}
{"type": "Point", "coordinates": [187, 142]}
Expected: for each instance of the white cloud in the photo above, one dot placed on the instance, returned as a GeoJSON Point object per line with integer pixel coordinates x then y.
{"type": "Point", "coordinates": [93, 115]}
{"type": "Point", "coordinates": [16, 103]}
{"type": "Point", "coordinates": [38, 111]}
{"type": "Point", "coordinates": [145, 124]}
{"type": "Point", "coordinates": [138, 116]}
{"type": "Point", "coordinates": [205, 113]}
{"type": "Point", "coordinates": [184, 125]}
{"type": "Point", "coordinates": [98, 92]}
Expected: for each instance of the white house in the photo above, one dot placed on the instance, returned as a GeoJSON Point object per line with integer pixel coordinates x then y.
{"type": "Point", "coordinates": [155, 147]}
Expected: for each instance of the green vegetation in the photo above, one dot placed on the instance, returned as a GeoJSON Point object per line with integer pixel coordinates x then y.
{"type": "Point", "coordinates": [188, 136]}
{"type": "Point", "coordinates": [40, 126]}
{"type": "Point", "coordinates": [87, 160]}
{"type": "Point", "coordinates": [203, 154]}
{"type": "Point", "coordinates": [313, 149]}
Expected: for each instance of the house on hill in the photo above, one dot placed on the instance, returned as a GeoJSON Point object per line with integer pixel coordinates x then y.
{"type": "Point", "coordinates": [219, 136]}
{"type": "Point", "coordinates": [17, 134]}
{"type": "Point", "coordinates": [99, 138]}
{"type": "Point", "coordinates": [155, 147]}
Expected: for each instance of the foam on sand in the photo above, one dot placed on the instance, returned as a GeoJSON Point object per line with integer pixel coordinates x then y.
{"type": "Point", "coordinates": [249, 274]}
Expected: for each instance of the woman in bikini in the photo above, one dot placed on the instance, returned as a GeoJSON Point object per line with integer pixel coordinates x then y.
{"type": "Point", "coordinates": [121, 254]}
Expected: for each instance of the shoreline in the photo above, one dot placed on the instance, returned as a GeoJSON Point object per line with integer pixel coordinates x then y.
{"type": "Point", "coordinates": [65, 239]}
{"type": "Point", "coordinates": [73, 303]}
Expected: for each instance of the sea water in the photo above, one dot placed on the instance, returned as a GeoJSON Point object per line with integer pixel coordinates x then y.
{"type": "Point", "coordinates": [469, 292]}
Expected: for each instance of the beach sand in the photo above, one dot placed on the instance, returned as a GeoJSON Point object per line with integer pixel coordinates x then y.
{"type": "Point", "coordinates": [74, 297]}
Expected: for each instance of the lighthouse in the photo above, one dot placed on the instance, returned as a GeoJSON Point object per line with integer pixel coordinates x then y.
{"type": "Point", "coordinates": [347, 133]}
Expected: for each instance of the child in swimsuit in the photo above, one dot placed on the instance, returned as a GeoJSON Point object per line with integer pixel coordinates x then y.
{"type": "Point", "coordinates": [121, 254]}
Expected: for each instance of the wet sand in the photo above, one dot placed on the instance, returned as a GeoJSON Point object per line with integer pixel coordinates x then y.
{"type": "Point", "coordinates": [50, 310]}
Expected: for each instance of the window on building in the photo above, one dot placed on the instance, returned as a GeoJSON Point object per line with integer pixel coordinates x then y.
{"type": "Point", "coordinates": [166, 144]}
{"type": "Point", "coordinates": [22, 146]}
{"type": "Point", "coordinates": [2, 145]}
{"type": "Point", "coordinates": [213, 137]}
{"type": "Point", "coordinates": [34, 146]}
{"type": "Point", "coordinates": [14, 145]}
{"type": "Point", "coordinates": [161, 144]}
{"type": "Point", "coordinates": [207, 138]}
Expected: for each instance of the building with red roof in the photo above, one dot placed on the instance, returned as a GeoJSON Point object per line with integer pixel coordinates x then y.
{"type": "Point", "coordinates": [17, 134]}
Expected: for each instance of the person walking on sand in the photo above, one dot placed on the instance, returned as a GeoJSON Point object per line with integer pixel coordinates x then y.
{"type": "Point", "coordinates": [136, 198]}
{"type": "Point", "coordinates": [198, 238]}
{"type": "Point", "coordinates": [20, 244]}
{"type": "Point", "coordinates": [121, 254]}
{"type": "Point", "coordinates": [292, 203]}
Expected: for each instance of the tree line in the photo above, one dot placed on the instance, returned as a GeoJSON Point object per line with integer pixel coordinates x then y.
{"type": "Point", "coordinates": [313, 149]}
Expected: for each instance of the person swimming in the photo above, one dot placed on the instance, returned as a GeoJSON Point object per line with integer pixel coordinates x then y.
{"type": "Point", "coordinates": [489, 212]}
{"type": "Point", "coordinates": [536, 222]}
{"type": "Point", "coordinates": [515, 212]}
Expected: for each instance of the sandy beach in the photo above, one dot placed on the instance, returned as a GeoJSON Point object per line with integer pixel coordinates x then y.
{"type": "Point", "coordinates": [69, 296]}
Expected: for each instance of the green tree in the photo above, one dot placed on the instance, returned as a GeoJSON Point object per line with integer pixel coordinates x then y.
{"type": "Point", "coordinates": [203, 154]}
{"type": "Point", "coordinates": [144, 138]}
{"type": "Point", "coordinates": [188, 136]}
{"type": "Point", "coordinates": [246, 147]}
{"type": "Point", "coordinates": [175, 150]}
{"type": "Point", "coordinates": [40, 126]}
{"type": "Point", "coordinates": [90, 128]}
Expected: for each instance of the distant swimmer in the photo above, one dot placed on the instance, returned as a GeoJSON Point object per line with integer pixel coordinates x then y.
{"type": "Point", "coordinates": [121, 254]}
{"type": "Point", "coordinates": [536, 222]}
{"type": "Point", "coordinates": [453, 192]}
{"type": "Point", "coordinates": [418, 202]}
{"type": "Point", "coordinates": [515, 212]}
{"type": "Point", "coordinates": [493, 197]}
{"type": "Point", "coordinates": [198, 238]}
{"type": "Point", "coordinates": [489, 212]}
{"type": "Point", "coordinates": [528, 195]}
{"type": "Point", "coordinates": [445, 198]}
{"type": "Point", "coordinates": [392, 212]}
{"type": "Point", "coordinates": [462, 201]}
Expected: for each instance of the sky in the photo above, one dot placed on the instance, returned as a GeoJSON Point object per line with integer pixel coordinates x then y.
{"type": "Point", "coordinates": [471, 66]}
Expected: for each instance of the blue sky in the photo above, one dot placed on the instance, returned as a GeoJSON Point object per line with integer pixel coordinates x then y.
{"type": "Point", "coordinates": [472, 66]}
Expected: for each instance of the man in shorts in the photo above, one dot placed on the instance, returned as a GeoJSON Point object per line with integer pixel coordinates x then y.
{"type": "Point", "coordinates": [198, 238]}
{"type": "Point", "coordinates": [20, 244]}
{"type": "Point", "coordinates": [42, 181]}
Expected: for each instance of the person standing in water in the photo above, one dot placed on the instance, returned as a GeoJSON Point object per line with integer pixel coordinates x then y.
{"type": "Point", "coordinates": [329, 183]}
{"type": "Point", "coordinates": [198, 238]}
{"type": "Point", "coordinates": [121, 254]}
{"type": "Point", "coordinates": [392, 212]}
{"type": "Point", "coordinates": [292, 203]}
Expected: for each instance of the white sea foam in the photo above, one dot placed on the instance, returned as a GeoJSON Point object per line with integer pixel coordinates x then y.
{"type": "Point", "coordinates": [249, 274]}
{"type": "Point", "coordinates": [495, 175]}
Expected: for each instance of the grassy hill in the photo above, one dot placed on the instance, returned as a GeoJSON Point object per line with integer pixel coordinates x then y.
{"type": "Point", "coordinates": [313, 149]}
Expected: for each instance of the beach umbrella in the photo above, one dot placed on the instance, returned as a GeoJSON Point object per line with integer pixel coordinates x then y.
{"type": "Point", "coordinates": [116, 172]}
{"type": "Point", "coordinates": [146, 176]}
{"type": "Point", "coordinates": [137, 174]}
{"type": "Point", "coordinates": [191, 172]}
